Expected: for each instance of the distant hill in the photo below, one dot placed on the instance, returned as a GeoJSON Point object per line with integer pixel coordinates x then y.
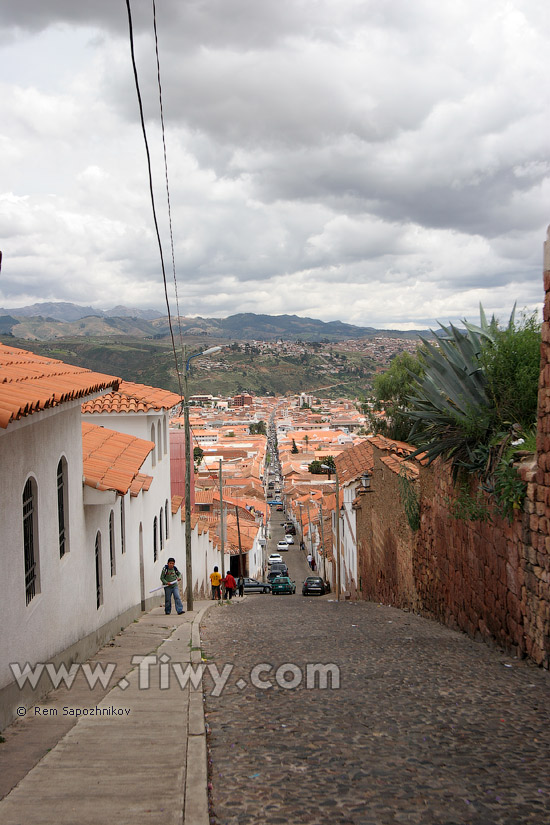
{"type": "Point", "coordinates": [63, 311]}
{"type": "Point", "coordinates": [50, 321]}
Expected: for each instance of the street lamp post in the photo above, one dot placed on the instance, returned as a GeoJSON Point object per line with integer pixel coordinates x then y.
{"type": "Point", "coordinates": [188, 459]}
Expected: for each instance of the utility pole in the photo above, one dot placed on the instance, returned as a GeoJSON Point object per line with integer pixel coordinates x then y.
{"type": "Point", "coordinates": [337, 536]}
{"type": "Point", "coordinates": [332, 469]}
{"type": "Point", "coordinates": [241, 573]}
{"type": "Point", "coordinates": [188, 460]}
{"type": "Point", "coordinates": [323, 541]}
{"type": "Point", "coordinates": [310, 530]}
{"type": "Point", "coordinates": [222, 529]}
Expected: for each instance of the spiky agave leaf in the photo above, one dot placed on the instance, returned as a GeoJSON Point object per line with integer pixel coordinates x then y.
{"type": "Point", "coordinates": [451, 409]}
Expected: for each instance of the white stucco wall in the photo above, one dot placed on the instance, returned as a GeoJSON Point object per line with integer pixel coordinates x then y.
{"type": "Point", "coordinates": [348, 527]}
{"type": "Point", "coordinates": [59, 613]}
{"type": "Point", "coordinates": [64, 610]}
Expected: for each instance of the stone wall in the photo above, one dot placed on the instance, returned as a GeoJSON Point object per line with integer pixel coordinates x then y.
{"type": "Point", "coordinates": [490, 579]}
{"type": "Point", "coordinates": [385, 540]}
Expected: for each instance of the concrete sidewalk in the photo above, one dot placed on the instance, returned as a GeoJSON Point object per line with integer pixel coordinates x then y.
{"type": "Point", "coordinates": [133, 754]}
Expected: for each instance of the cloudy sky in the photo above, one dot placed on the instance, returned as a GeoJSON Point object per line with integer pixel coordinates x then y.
{"type": "Point", "coordinates": [381, 162]}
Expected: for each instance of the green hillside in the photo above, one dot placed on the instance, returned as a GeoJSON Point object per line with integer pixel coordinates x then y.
{"type": "Point", "coordinates": [332, 369]}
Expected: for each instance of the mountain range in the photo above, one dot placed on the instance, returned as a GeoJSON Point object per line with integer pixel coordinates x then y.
{"type": "Point", "coordinates": [51, 320]}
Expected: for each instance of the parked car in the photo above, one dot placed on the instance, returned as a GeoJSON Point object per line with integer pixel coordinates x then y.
{"type": "Point", "coordinates": [289, 528]}
{"type": "Point", "coordinates": [282, 584]}
{"type": "Point", "coordinates": [275, 556]}
{"type": "Point", "coordinates": [282, 545]}
{"type": "Point", "coordinates": [314, 586]}
{"type": "Point", "coordinates": [280, 508]}
{"type": "Point", "coordinates": [254, 586]}
{"type": "Point", "coordinates": [289, 539]}
{"type": "Point", "coordinates": [273, 574]}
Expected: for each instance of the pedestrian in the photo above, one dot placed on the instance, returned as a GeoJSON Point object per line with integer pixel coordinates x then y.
{"type": "Point", "coordinates": [230, 585]}
{"type": "Point", "coordinates": [170, 577]}
{"type": "Point", "coordinates": [240, 585]}
{"type": "Point", "coordinates": [309, 559]}
{"type": "Point", "coordinates": [313, 564]}
{"type": "Point", "coordinates": [215, 581]}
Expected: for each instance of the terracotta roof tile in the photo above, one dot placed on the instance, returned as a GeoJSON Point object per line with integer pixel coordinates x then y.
{"type": "Point", "coordinates": [353, 462]}
{"type": "Point", "coordinates": [30, 383]}
{"type": "Point", "coordinates": [112, 460]}
{"type": "Point", "coordinates": [133, 398]}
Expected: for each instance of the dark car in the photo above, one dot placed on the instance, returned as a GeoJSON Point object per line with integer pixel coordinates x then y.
{"type": "Point", "coordinates": [280, 570]}
{"type": "Point", "coordinates": [254, 586]}
{"type": "Point", "coordinates": [314, 586]}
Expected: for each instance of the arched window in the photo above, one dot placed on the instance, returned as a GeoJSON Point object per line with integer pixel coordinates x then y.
{"type": "Point", "coordinates": [153, 439]}
{"type": "Point", "coordinates": [165, 435]}
{"type": "Point", "coordinates": [30, 539]}
{"type": "Point", "coordinates": [159, 441]}
{"type": "Point", "coordinates": [155, 544]}
{"type": "Point", "coordinates": [122, 527]}
{"type": "Point", "coordinates": [166, 519]}
{"type": "Point", "coordinates": [161, 525]}
{"type": "Point", "coordinates": [62, 507]}
{"type": "Point", "coordinates": [112, 542]}
{"type": "Point", "coordinates": [98, 573]}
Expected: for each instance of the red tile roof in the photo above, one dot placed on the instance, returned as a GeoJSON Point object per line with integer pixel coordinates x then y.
{"type": "Point", "coordinates": [112, 460]}
{"type": "Point", "coordinates": [133, 398]}
{"type": "Point", "coordinates": [353, 462]}
{"type": "Point", "coordinates": [30, 383]}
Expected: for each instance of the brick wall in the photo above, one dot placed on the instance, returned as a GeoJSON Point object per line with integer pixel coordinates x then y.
{"type": "Point", "coordinates": [385, 541]}
{"type": "Point", "coordinates": [488, 579]}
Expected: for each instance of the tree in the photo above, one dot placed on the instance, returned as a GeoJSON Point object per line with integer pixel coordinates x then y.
{"type": "Point", "coordinates": [391, 390]}
{"type": "Point", "coordinates": [257, 428]}
{"type": "Point", "coordinates": [198, 455]}
{"type": "Point", "coordinates": [316, 466]}
{"type": "Point", "coordinates": [294, 449]}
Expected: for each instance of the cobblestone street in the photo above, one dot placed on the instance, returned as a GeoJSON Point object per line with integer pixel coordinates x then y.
{"type": "Point", "coordinates": [427, 725]}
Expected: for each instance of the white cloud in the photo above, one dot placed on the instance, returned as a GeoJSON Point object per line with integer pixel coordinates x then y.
{"type": "Point", "coordinates": [382, 163]}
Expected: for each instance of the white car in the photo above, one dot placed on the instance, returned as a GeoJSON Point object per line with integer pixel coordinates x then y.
{"type": "Point", "coordinates": [275, 557]}
{"type": "Point", "coordinates": [289, 538]}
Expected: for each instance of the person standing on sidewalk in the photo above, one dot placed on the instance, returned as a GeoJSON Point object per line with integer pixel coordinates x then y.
{"type": "Point", "coordinates": [170, 577]}
{"type": "Point", "coordinates": [230, 584]}
{"type": "Point", "coordinates": [215, 581]}
{"type": "Point", "coordinates": [309, 559]}
{"type": "Point", "coordinates": [240, 586]}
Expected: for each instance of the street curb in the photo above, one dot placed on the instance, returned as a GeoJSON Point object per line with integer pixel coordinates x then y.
{"type": "Point", "coordinates": [195, 804]}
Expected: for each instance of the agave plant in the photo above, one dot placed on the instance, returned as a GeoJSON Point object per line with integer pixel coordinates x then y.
{"type": "Point", "coordinates": [452, 410]}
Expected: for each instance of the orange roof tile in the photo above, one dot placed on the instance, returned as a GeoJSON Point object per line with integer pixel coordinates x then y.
{"type": "Point", "coordinates": [353, 462]}
{"type": "Point", "coordinates": [30, 383]}
{"type": "Point", "coordinates": [133, 398]}
{"type": "Point", "coordinates": [112, 460]}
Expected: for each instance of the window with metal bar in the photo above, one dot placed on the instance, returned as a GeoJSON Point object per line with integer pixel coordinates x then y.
{"type": "Point", "coordinates": [112, 542]}
{"type": "Point", "coordinates": [30, 540]}
{"type": "Point", "coordinates": [98, 577]}
{"type": "Point", "coordinates": [61, 507]}
{"type": "Point", "coordinates": [122, 527]}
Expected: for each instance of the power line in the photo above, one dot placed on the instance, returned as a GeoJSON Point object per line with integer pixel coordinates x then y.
{"type": "Point", "coordinates": [166, 177]}
{"type": "Point", "coordinates": [131, 33]}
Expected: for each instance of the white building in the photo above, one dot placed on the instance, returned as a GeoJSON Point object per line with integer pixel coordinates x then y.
{"type": "Point", "coordinates": [86, 513]}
